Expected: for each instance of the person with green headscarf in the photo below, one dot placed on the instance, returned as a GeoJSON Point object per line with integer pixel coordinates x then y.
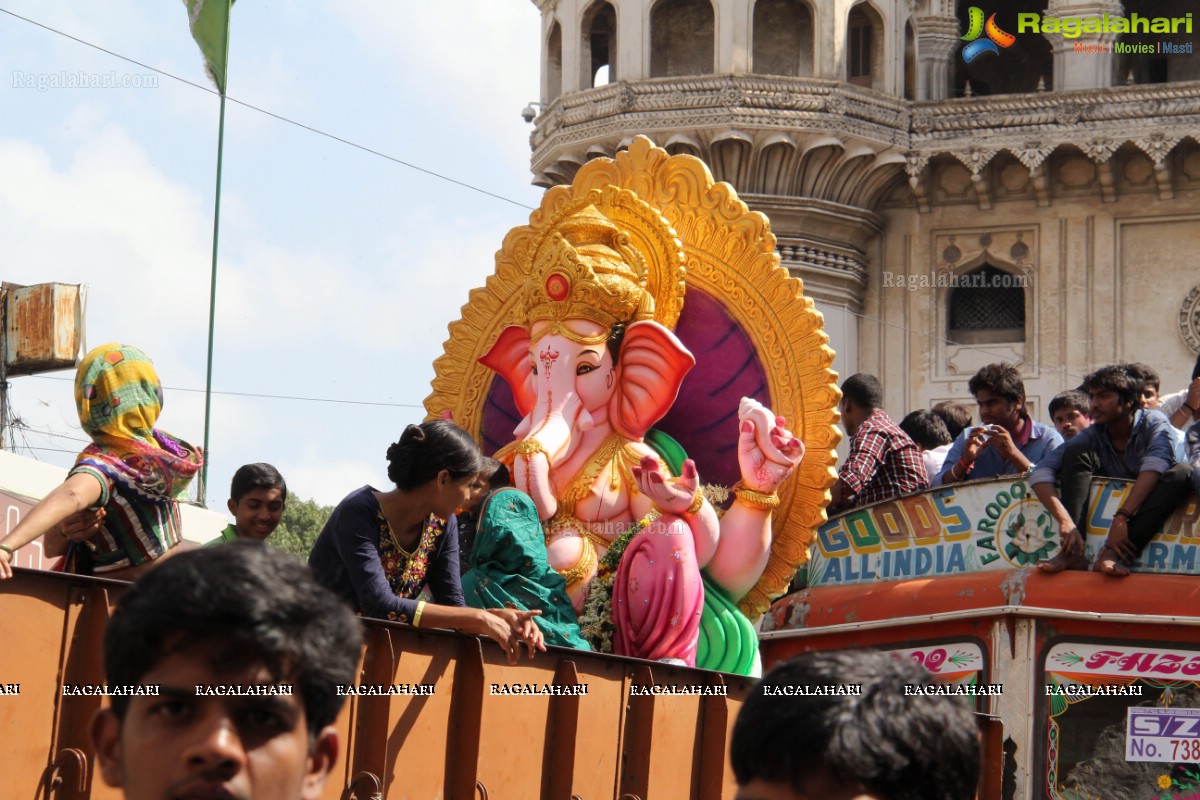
{"type": "Point", "coordinates": [509, 568]}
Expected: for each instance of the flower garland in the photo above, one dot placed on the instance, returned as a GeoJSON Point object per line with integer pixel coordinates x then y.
{"type": "Point", "coordinates": [595, 621]}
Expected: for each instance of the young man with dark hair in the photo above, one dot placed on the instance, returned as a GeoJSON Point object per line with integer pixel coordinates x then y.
{"type": "Point", "coordinates": [887, 743]}
{"type": "Point", "coordinates": [1147, 376]}
{"type": "Point", "coordinates": [1070, 413]}
{"type": "Point", "coordinates": [955, 415]}
{"type": "Point", "coordinates": [1009, 441]}
{"type": "Point", "coordinates": [1124, 441]}
{"type": "Point", "coordinates": [257, 497]}
{"type": "Point", "coordinates": [883, 462]}
{"type": "Point", "coordinates": [929, 432]}
{"type": "Point", "coordinates": [242, 617]}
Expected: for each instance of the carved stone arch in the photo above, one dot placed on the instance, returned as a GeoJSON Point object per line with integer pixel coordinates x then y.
{"type": "Point", "coordinates": [730, 157]}
{"type": "Point", "coordinates": [774, 164]}
{"type": "Point", "coordinates": [855, 162]}
{"type": "Point", "coordinates": [554, 62]}
{"type": "Point", "coordinates": [683, 144]}
{"type": "Point", "coordinates": [783, 38]}
{"type": "Point", "coordinates": [865, 54]}
{"type": "Point", "coordinates": [598, 42]}
{"type": "Point", "coordinates": [598, 150]}
{"type": "Point", "coordinates": [887, 170]}
{"type": "Point", "coordinates": [816, 158]}
{"type": "Point", "coordinates": [682, 38]}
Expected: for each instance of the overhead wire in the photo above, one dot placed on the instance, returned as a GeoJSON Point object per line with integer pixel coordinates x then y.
{"type": "Point", "coordinates": [280, 117]}
{"type": "Point", "coordinates": [266, 396]}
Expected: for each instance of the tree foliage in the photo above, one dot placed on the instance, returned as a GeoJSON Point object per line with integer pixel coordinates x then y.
{"type": "Point", "coordinates": [301, 523]}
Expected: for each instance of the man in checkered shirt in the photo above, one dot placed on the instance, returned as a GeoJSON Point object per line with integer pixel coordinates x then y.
{"type": "Point", "coordinates": [883, 461]}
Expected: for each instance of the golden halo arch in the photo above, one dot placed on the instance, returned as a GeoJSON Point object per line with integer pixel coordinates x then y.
{"type": "Point", "coordinates": [729, 254]}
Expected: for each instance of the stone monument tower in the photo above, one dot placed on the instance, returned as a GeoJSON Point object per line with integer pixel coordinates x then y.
{"type": "Point", "coordinates": [944, 212]}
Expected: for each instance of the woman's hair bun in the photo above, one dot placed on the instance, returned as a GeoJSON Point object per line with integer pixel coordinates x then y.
{"type": "Point", "coordinates": [426, 449]}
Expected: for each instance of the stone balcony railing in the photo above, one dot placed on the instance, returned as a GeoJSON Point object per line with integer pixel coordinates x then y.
{"type": "Point", "coordinates": [732, 121]}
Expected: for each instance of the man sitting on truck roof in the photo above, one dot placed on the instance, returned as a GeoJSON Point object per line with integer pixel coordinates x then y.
{"type": "Point", "coordinates": [245, 649]}
{"type": "Point", "coordinates": [1008, 442]}
{"type": "Point", "coordinates": [797, 740]}
{"type": "Point", "coordinates": [883, 462]}
{"type": "Point", "coordinates": [1123, 441]}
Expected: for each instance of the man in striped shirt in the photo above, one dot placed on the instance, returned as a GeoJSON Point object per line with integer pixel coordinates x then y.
{"type": "Point", "coordinates": [883, 461]}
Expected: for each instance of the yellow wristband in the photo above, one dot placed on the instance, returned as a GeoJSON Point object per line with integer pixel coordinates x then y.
{"type": "Point", "coordinates": [754, 498]}
{"type": "Point", "coordinates": [10, 550]}
{"type": "Point", "coordinates": [420, 611]}
{"type": "Point", "coordinates": [697, 503]}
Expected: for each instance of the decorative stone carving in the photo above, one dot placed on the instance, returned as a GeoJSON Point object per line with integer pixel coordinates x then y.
{"type": "Point", "coordinates": [1189, 319]}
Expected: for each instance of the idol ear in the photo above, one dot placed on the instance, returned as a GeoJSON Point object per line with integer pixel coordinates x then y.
{"type": "Point", "coordinates": [652, 365]}
{"type": "Point", "coordinates": [509, 358]}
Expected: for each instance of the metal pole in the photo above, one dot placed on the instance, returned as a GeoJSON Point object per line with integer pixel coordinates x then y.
{"type": "Point", "coordinates": [202, 492]}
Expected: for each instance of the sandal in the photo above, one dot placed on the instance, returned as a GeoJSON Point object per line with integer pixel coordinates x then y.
{"type": "Point", "coordinates": [1062, 561]}
{"type": "Point", "coordinates": [1109, 563]}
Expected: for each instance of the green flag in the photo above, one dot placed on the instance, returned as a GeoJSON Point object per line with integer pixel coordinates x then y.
{"type": "Point", "coordinates": [209, 21]}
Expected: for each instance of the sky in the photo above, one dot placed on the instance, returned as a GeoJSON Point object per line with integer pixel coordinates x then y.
{"type": "Point", "coordinates": [339, 270]}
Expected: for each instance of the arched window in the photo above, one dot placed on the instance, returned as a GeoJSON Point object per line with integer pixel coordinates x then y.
{"type": "Point", "coordinates": [864, 46]}
{"type": "Point", "coordinates": [987, 305]}
{"type": "Point", "coordinates": [599, 52]}
{"type": "Point", "coordinates": [1016, 69]}
{"type": "Point", "coordinates": [554, 64]}
{"type": "Point", "coordinates": [783, 38]}
{"type": "Point", "coordinates": [681, 38]}
{"type": "Point", "coordinates": [1158, 67]}
{"type": "Point", "coordinates": [910, 62]}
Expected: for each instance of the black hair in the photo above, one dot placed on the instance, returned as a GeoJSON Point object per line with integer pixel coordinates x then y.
{"type": "Point", "coordinates": [258, 603]}
{"type": "Point", "coordinates": [1196, 369]}
{"type": "Point", "coordinates": [895, 746]}
{"type": "Point", "coordinates": [955, 415]}
{"type": "Point", "coordinates": [497, 474]}
{"type": "Point", "coordinates": [1071, 398]}
{"type": "Point", "coordinates": [864, 391]}
{"type": "Point", "coordinates": [1144, 373]}
{"type": "Point", "coordinates": [1118, 379]}
{"type": "Point", "coordinates": [425, 450]}
{"type": "Point", "coordinates": [256, 476]}
{"type": "Point", "coordinates": [926, 429]}
{"type": "Point", "coordinates": [1002, 379]}
{"type": "Point", "coordinates": [616, 335]}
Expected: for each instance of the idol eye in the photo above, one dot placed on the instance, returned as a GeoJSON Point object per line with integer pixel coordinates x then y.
{"type": "Point", "coordinates": [584, 369]}
{"type": "Point", "coordinates": [533, 368]}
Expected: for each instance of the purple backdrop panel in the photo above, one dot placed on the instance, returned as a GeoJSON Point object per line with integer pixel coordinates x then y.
{"type": "Point", "coordinates": [704, 418]}
{"type": "Point", "coordinates": [500, 416]}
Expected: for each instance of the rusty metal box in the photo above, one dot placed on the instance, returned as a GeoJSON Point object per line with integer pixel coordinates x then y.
{"type": "Point", "coordinates": [44, 327]}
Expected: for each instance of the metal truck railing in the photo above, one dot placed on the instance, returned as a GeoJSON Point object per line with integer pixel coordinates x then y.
{"type": "Point", "coordinates": [460, 741]}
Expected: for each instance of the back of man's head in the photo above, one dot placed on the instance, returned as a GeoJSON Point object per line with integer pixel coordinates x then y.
{"type": "Point", "coordinates": [864, 391]}
{"type": "Point", "coordinates": [257, 603]}
{"type": "Point", "coordinates": [1001, 379]}
{"type": "Point", "coordinates": [926, 428]}
{"type": "Point", "coordinates": [885, 742]}
{"type": "Point", "coordinates": [955, 415]}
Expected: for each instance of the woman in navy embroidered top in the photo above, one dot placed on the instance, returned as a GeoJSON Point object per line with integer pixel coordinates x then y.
{"type": "Point", "coordinates": [380, 549]}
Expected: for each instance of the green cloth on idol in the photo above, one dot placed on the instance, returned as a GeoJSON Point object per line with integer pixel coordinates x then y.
{"type": "Point", "coordinates": [509, 566]}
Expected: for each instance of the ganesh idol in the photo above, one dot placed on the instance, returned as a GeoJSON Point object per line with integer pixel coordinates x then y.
{"type": "Point", "coordinates": [593, 370]}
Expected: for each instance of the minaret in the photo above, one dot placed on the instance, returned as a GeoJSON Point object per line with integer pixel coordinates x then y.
{"type": "Point", "coordinates": [800, 106]}
{"type": "Point", "coordinates": [946, 209]}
